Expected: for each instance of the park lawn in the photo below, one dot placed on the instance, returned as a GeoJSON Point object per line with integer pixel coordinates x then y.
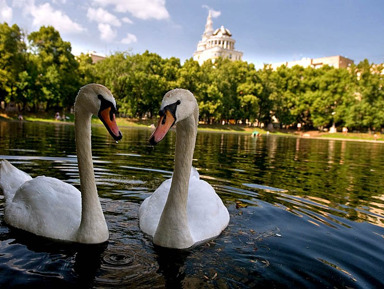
{"type": "Point", "coordinates": [356, 136]}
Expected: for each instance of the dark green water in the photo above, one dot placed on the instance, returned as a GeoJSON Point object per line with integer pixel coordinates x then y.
{"type": "Point", "coordinates": [304, 213]}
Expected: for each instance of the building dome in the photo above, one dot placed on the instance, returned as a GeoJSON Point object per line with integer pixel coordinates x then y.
{"type": "Point", "coordinates": [216, 43]}
{"type": "Point", "coordinates": [222, 32]}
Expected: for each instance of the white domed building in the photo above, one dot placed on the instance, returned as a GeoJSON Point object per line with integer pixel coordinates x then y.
{"type": "Point", "coordinates": [215, 44]}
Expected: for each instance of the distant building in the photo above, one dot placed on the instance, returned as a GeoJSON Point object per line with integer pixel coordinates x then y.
{"type": "Point", "coordinates": [335, 61]}
{"type": "Point", "coordinates": [96, 57]}
{"type": "Point", "coordinates": [215, 44]}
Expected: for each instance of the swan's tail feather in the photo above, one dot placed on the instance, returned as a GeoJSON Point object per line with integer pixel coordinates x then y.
{"type": "Point", "coordinates": [11, 179]}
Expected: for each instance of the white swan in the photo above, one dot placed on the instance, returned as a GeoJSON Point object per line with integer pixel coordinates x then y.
{"type": "Point", "coordinates": [184, 210]}
{"type": "Point", "coordinates": [51, 208]}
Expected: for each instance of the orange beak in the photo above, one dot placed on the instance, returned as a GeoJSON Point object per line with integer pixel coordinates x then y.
{"type": "Point", "coordinates": [109, 120]}
{"type": "Point", "coordinates": [166, 121]}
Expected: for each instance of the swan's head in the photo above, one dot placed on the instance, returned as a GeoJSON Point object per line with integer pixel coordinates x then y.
{"type": "Point", "coordinates": [177, 105]}
{"type": "Point", "coordinates": [98, 100]}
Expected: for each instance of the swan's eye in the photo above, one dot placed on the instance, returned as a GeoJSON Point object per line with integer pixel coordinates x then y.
{"type": "Point", "coordinates": [106, 104]}
{"type": "Point", "coordinates": [111, 113]}
{"type": "Point", "coordinates": [171, 108]}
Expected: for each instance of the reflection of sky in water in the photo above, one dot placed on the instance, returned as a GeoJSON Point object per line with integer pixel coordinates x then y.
{"type": "Point", "coordinates": [304, 213]}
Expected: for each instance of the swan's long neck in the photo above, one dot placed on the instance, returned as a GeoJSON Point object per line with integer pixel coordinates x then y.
{"type": "Point", "coordinates": [173, 229]}
{"type": "Point", "coordinates": [93, 228]}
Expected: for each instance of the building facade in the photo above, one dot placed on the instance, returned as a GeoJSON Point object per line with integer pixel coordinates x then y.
{"type": "Point", "coordinates": [216, 43]}
{"type": "Point", "coordinates": [96, 57]}
{"type": "Point", "coordinates": [335, 61]}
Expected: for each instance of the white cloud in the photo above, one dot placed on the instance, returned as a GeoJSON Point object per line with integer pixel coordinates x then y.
{"type": "Point", "coordinates": [105, 22]}
{"type": "Point", "coordinates": [126, 20]}
{"type": "Point", "coordinates": [142, 9]}
{"type": "Point", "coordinates": [5, 12]}
{"type": "Point", "coordinates": [45, 14]}
{"type": "Point", "coordinates": [214, 13]}
{"type": "Point", "coordinates": [59, 1]}
{"type": "Point", "coordinates": [103, 16]}
{"type": "Point", "coordinates": [130, 38]}
{"type": "Point", "coordinates": [106, 32]}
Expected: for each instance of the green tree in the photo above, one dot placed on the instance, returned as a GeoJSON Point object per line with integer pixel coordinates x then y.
{"type": "Point", "coordinates": [190, 76]}
{"type": "Point", "coordinates": [225, 90]}
{"type": "Point", "coordinates": [329, 89]}
{"type": "Point", "coordinates": [115, 72]}
{"type": "Point", "coordinates": [170, 71]}
{"type": "Point", "coordinates": [86, 69]}
{"type": "Point", "coordinates": [29, 88]}
{"type": "Point", "coordinates": [207, 93]}
{"type": "Point", "coordinates": [367, 104]}
{"type": "Point", "coordinates": [282, 100]}
{"type": "Point", "coordinates": [268, 92]}
{"type": "Point", "coordinates": [295, 92]}
{"type": "Point", "coordinates": [228, 75]}
{"type": "Point", "coordinates": [148, 83]}
{"type": "Point", "coordinates": [56, 65]}
{"type": "Point", "coordinates": [248, 93]}
{"type": "Point", "coordinates": [139, 80]}
{"type": "Point", "coordinates": [12, 60]}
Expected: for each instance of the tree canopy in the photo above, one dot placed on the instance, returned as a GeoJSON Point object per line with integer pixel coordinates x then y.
{"type": "Point", "coordinates": [39, 71]}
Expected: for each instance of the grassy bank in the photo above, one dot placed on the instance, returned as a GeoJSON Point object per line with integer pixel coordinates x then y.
{"type": "Point", "coordinates": [125, 122]}
{"type": "Point", "coordinates": [354, 136]}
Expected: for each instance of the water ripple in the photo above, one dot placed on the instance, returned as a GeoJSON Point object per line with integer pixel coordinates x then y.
{"type": "Point", "coordinates": [146, 169]}
{"type": "Point", "coordinates": [304, 213]}
{"type": "Point", "coordinates": [128, 266]}
{"type": "Point", "coordinates": [265, 188]}
{"type": "Point", "coordinates": [117, 259]}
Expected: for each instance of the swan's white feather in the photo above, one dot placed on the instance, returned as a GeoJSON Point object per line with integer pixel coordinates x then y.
{"type": "Point", "coordinates": [207, 215]}
{"type": "Point", "coordinates": [11, 178]}
{"type": "Point", "coordinates": [52, 208]}
{"type": "Point", "coordinates": [182, 212]}
{"type": "Point", "coordinates": [47, 207]}
{"type": "Point", "coordinates": [152, 208]}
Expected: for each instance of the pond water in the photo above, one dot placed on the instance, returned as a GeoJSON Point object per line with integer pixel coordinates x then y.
{"type": "Point", "coordinates": [304, 213]}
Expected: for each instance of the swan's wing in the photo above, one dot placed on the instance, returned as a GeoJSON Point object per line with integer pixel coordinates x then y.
{"type": "Point", "coordinates": [207, 215]}
{"type": "Point", "coordinates": [11, 178]}
{"type": "Point", "coordinates": [194, 174]}
{"type": "Point", "coordinates": [152, 207]}
{"type": "Point", "coordinates": [47, 207]}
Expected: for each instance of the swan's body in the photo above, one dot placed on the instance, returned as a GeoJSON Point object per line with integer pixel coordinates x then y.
{"type": "Point", "coordinates": [184, 210]}
{"type": "Point", "coordinates": [51, 208]}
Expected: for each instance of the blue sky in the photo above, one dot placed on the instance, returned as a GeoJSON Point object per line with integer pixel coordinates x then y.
{"type": "Point", "coordinates": [266, 31]}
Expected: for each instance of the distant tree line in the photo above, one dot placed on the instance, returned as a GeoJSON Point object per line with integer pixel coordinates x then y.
{"type": "Point", "coordinates": [38, 71]}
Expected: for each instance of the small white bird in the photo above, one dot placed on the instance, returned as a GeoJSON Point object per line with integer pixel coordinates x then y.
{"type": "Point", "coordinates": [183, 211]}
{"type": "Point", "coordinates": [51, 208]}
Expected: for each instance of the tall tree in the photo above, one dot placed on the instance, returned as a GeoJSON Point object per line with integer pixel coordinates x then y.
{"type": "Point", "coordinates": [281, 99]}
{"type": "Point", "coordinates": [115, 72]}
{"type": "Point", "coordinates": [367, 105]}
{"type": "Point", "coordinates": [86, 69]}
{"type": "Point", "coordinates": [249, 93]}
{"type": "Point", "coordinates": [328, 92]}
{"type": "Point", "coordinates": [57, 65]}
{"type": "Point", "coordinates": [190, 76]}
{"type": "Point", "coordinates": [267, 78]}
{"type": "Point", "coordinates": [12, 60]}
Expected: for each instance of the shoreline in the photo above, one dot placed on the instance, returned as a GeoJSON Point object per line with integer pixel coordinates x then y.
{"type": "Point", "coordinates": [236, 129]}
